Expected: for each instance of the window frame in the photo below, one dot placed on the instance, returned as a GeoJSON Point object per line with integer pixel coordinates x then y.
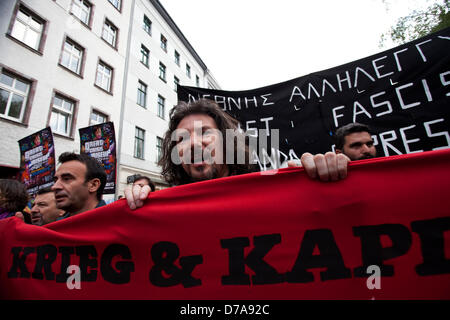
{"type": "Point", "coordinates": [147, 27]}
{"type": "Point", "coordinates": [80, 69]}
{"type": "Point", "coordinates": [60, 111]}
{"type": "Point", "coordinates": [188, 71]}
{"type": "Point", "coordinates": [90, 15]}
{"type": "Point", "coordinates": [102, 114]}
{"type": "Point", "coordinates": [75, 104]}
{"type": "Point", "coordinates": [105, 66]}
{"type": "Point", "coordinates": [138, 139]}
{"type": "Point", "coordinates": [119, 7]}
{"type": "Point", "coordinates": [38, 18]}
{"type": "Point", "coordinates": [159, 148]}
{"type": "Point", "coordinates": [177, 58]}
{"type": "Point", "coordinates": [162, 71]}
{"type": "Point", "coordinates": [161, 107]}
{"type": "Point", "coordinates": [163, 43]}
{"type": "Point", "coordinates": [141, 94]}
{"type": "Point", "coordinates": [147, 56]}
{"type": "Point", "coordinates": [113, 27]}
{"type": "Point", "coordinates": [176, 81]}
{"type": "Point", "coordinates": [30, 98]}
{"type": "Point", "coordinates": [12, 90]}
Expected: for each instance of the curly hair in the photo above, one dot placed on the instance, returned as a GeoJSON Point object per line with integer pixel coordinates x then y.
{"type": "Point", "coordinates": [13, 195]}
{"type": "Point", "coordinates": [173, 173]}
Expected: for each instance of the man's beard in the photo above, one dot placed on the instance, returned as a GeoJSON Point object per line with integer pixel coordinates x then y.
{"type": "Point", "coordinates": [211, 174]}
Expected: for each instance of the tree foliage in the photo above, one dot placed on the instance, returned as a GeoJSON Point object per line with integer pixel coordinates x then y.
{"type": "Point", "coordinates": [420, 23]}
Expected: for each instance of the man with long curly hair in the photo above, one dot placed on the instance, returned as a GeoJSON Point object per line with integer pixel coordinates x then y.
{"type": "Point", "coordinates": [193, 150]}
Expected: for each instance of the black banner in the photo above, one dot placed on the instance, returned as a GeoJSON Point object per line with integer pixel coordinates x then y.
{"type": "Point", "coordinates": [402, 94]}
{"type": "Point", "coordinates": [99, 142]}
{"type": "Point", "coordinates": [37, 160]}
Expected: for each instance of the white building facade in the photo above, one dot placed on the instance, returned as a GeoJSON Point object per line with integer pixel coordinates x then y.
{"type": "Point", "coordinates": [69, 64]}
{"type": "Point", "coordinates": [159, 58]}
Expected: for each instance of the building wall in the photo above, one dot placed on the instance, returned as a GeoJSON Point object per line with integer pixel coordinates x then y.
{"type": "Point", "coordinates": [50, 76]}
{"type": "Point", "coordinates": [120, 104]}
{"type": "Point", "coordinates": [147, 118]}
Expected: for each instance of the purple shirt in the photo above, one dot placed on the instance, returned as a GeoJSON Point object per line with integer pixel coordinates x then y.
{"type": "Point", "coordinates": [5, 214]}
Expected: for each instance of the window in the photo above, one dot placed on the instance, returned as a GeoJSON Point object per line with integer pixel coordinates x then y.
{"type": "Point", "coordinates": [161, 106]}
{"type": "Point", "coordinates": [159, 143]}
{"type": "Point", "coordinates": [142, 94]}
{"type": "Point", "coordinates": [188, 70]}
{"type": "Point", "coordinates": [109, 33]}
{"type": "Point", "coordinates": [115, 3]}
{"type": "Point", "coordinates": [104, 76]}
{"type": "Point", "coordinates": [177, 58]}
{"type": "Point", "coordinates": [28, 28]}
{"type": "Point", "coordinates": [139, 139]}
{"type": "Point", "coordinates": [147, 25]}
{"type": "Point", "coordinates": [72, 56]}
{"type": "Point", "coordinates": [197, 81]}
{"type": "Point", "coordinates": [13, 96]}
{"type": "Point", "coordinates": [82, 10]}
{"type": "Point", "coordinates": [162, 71]}
{"type": "Point", "coordinates": [145, 53]}
{"type": "Point", "coordinates": [163, 43]}
{"type": "Point", "coordinates": [62, 115]}
{"type": "Point", "coordinates": [97, 118]}
{"type": "Point", "coordinates": [176, 82]}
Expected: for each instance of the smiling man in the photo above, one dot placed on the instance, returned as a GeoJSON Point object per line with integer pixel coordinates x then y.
{"type": "Point", "coordinates": [355, 141]}
{"type": "Point", "coordinates": [194, 150]}
{"type": "Point", "coordinates": [197, 153]}
{"type": "Point", "coordinates": [79, 184]}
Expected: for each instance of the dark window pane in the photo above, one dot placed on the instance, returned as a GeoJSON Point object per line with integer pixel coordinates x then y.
{"type": "Point", "coordinates": [16, 106]}
{"type": "Point", "coordinates": [4, 95]}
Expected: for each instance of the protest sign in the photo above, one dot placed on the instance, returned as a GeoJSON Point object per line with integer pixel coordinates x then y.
{"type": "Point", "coordinates": [37, 160]}
{"type": "Point", "coordinates": [99, 142]}
{"type": "Point", "coordinates": [402, 94]}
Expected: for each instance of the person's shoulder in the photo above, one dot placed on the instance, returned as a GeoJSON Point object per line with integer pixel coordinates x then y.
{"type": "Point", "coordinates": [66, 215]}
{"type": "Point", "coordinates": [4, 214]}
{"type": "Point", "coordinates": [101, 203]}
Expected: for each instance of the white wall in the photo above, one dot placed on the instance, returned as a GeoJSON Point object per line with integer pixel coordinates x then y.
{"type": "Point", "coordinates": [136, 115]}
{"type": "Point", "coordinates": [50, 76]}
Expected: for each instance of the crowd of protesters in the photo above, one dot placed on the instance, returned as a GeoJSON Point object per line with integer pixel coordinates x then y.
{"type": "Point", "coordinates": [79, 179]}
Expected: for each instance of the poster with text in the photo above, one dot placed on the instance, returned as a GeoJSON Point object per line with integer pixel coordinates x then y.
{"type": "Point", "coordinates": [99, 142]}
{"type": "Point", "coordinates": [37, 160]}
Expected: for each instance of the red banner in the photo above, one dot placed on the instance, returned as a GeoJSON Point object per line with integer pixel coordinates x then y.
{"type": "Point", "coordinates": [382, 233]}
